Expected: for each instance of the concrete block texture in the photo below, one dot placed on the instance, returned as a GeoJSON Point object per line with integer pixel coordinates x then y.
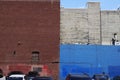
{"type": "Point", "coordinates": [89, 25]}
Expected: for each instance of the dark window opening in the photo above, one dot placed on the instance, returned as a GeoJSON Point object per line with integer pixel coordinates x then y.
{"type": "Point", "coordinates": [35, 56]}
{"type": "Point", "coordinates": [38, 69]}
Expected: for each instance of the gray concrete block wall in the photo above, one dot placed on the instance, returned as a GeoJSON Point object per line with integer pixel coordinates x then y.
{"type": "Point", "coordinates": [110, 25]}
{"type": "Point", "coordinates": [73, 25]}
{"type": "Point", "coordinates": [94, 22]}
{"type": "Point", "coordinates": [89, 25]}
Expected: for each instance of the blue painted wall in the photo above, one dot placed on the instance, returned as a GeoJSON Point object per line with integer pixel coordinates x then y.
{"type": "Point", "coordinates": [90, 59]}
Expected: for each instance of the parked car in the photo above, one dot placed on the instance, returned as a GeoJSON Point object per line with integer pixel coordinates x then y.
{"type": "Point", "coordinates": [31, 75]}
{"type": "Point", "coordinates": [2, 77]}
{"type": "Point", "coordinates": [15, 75]}
{"type": "Point", "coordinates": [42, 78]}
{"type": "Point", "coordinates": [78, 77]}
{"type": "Point", "coordinates": [100, 77]}
{"type": "Point", "coordinates": [116, 77]}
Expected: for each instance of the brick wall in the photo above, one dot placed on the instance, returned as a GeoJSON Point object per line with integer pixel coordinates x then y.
{"type": "Point", "coordinates": [27, 26]}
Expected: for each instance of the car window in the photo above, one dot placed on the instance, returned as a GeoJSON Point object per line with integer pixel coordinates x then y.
{"type": "Point", "coordinates": [74, 78]}
{"type": "Point", "coordinates": [14, 78]}
{"type": "Point", "coordinates": [100, 77]}
{"type": "Point", "coordinates": [79, 78]}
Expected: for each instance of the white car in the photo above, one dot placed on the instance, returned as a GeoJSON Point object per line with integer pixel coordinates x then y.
{"type": "Point", "coordinates": [2, 78]}
{"type": "Point", "coordinates": [18, 76]}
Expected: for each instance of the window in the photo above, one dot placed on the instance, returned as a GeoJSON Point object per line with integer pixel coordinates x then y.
{"type": "Point", "coordinates": [35, 56]}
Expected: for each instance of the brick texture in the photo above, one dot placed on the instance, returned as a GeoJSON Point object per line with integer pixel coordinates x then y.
{"type": "Point", "coordinates": [27, 26]}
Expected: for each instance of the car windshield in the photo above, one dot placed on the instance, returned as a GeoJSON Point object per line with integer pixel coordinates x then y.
{"type": "Point", "coordinates": [100, 77]}
{"type": "Point", "coordinates": [14, 78]}
{"type": "Point", "coordinates": [79, 78]}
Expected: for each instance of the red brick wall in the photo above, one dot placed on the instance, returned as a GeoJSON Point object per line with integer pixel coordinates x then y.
{"type": "Point", "coordinates": [24, 68]}
{"type": "Point", "coordinates": [27, 26]}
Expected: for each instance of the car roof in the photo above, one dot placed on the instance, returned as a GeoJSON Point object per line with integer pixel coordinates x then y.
{"type": "Point", "coordinates": [17, 75]}
{"type": "Point", "coordinates": [14, 72]}
{"type": "Point", "coordinates": [79, 75]}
